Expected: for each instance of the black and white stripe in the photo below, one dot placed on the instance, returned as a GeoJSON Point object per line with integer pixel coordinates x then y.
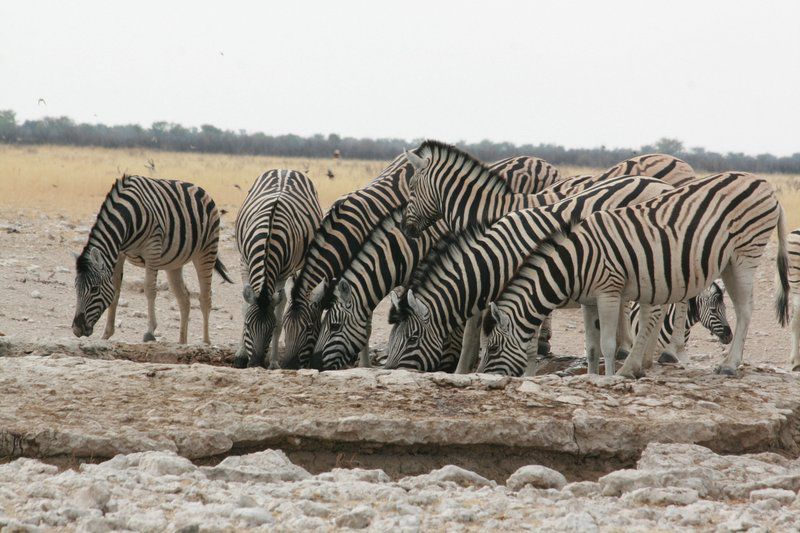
{"type": "Point", "coordinates": [156, 224]}
{"type": "Point", "coordinates": [273, 230]}
{"type": "Point", "coordinates": [793, 247]}
{"type": "Point", "coordinates": [473, 269]}
{"type": "Point", "coordinates": [670, 169]}
{"type": "Point", "coordinates": [344, 231]}
{"type": "Point", "coordinates": [707, 308]}
{"type": "Point", "coordinates": [666, 250]}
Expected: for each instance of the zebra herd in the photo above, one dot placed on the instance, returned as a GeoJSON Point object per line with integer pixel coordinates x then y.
{"type": "Point", "coordinates": [474, 257]}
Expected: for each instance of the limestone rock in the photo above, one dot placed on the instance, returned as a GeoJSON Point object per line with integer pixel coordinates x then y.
{"type": "Point", "coordinates": [536, 476]}
{"type": "Point", "coordinates": [264, 467]}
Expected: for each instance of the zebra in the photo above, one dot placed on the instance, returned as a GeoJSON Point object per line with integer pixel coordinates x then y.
{"type": "Point", "coordinates": [156, 224]}
{"type": "Point", "coordinates": [707, 308]}
{"type": "Point", "coordinates": [273, 229]}
{"type": "Point", "coordinates": [662, 251]}
{"type": "Point", "coordinates": [344, 230]}
{"type": "Point", "coordinates": [672, 170]}
{"type": "Point", "coordinates": [449, 183]}
{"type": "Point", "coordinates": [793, 246]}
{"type": "Point", "coordinates": [473, 269]}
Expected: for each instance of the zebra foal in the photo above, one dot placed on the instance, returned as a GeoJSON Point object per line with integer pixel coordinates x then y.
{"type": "Point", "coordinates": [156, 224]}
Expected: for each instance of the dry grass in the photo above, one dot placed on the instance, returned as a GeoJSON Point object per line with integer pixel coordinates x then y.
{"type": "Point", "coordinates": [73, 181]}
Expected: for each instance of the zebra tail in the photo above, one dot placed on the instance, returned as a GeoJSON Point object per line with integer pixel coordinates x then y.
{"type": "Point", "coordinates": [221, 270]}
{"type": "Point", "coordinates": [782, 298]}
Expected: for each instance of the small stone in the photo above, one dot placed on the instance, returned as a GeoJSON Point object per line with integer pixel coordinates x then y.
{"type": "Point", "coordinates": [359, 518]}
{"type": "Point", "coordinates": [253, 516]}
{"type": "Point", "coordinates": [449, 473]}
{"type": "Point", "coordinates": [785, 497]}
{"type": "Point", "coordinates": [536, 476]}
{"type": "Point", "coordinates": [36, 295]}
{"type": "Point", "coordinates": [662, 496]}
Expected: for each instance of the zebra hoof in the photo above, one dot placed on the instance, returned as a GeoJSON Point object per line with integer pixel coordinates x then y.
{"type": "Point", "coordinates": [622, 354]}
{"type": "Point", "coordinates": [543, 349]}
{"type": "Point", "coordinates": [725, 371]}
{"type": "Point", "coordinates": [240, 361]}
{"type": "Point", "coordinates": [667, 358]}
{"type": "Point", "coordinates": [149, 337]}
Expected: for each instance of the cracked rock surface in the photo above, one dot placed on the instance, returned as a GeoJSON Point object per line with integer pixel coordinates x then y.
{"type": "Point", "coordinates": [673, 486]}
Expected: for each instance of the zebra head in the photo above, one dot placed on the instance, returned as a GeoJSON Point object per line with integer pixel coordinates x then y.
{"type": "Point", "coordinates": [94, 286]}
{"type": "Point", "coordinates": [710, 311]}
{"type": "Point", "coordinates": [503, 352]}
{"type": "Point", "coordinates": [344, 330]}
{"type": "Point", "coordinates": [259, 324]}
{"type": "Point", "coordinates": [413, 341]}
{"type": "Point", "coordinates": [422, 208]}
{"type": "Point", "coordinates": [301, 325]}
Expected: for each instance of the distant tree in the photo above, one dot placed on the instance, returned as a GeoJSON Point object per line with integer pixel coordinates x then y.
{"type": "Point", "coordinates": [8, 125]}
{"type": "Point", "coordinates": [669, 146]}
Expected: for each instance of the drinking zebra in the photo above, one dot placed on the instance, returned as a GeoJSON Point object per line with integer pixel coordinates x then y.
{"type": "Point", "coordinates": [273, 230]}
{"type": "Point", "coordinates": [473, 269]}
{"type": "Point", "coordinates": [663, 251]}
{"type": "Point", "coordinates": [156, 224]}
{"type": "Point", "coordinates": [707, 308]}
{"type": "Point", "coordinates": [344, 231]}
{"type": "Point", "coordinates": [450, 184]}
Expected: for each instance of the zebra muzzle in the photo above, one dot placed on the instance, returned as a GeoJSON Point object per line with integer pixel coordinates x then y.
{"type": "Point", "coordinates": [79, 327]}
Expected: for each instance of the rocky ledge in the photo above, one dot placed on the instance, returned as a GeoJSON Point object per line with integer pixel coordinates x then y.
{"type": "Point", "coordinates": [674, 486]}
{"type": "Point", "coordinates": [68, 407]}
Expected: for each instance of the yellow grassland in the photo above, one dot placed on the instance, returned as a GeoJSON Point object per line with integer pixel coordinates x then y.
{"type": "Point", "coordinates": [72, 181]}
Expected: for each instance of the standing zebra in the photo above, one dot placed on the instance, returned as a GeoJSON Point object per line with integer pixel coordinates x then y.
{"type": "Point", "coordinates": [156, 224]}
{"type": "Point", "coordinates": [274, 227]}
{"type": "Point", "coordinates": [665, 250]}
{"type": "Point", "coordinates": [672, 170]}
{"type": "Point", "coordinates": [707, 308]}
{"type": "Point", "coordinates": [344, 231]}
{"type": "Point", "coordinates": [478, 262]}
{"type": "Point", "coordinates": [793, 246]}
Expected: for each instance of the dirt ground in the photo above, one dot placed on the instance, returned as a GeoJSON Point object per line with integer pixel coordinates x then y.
{"type": "Point", "coordinates": [37, 274]}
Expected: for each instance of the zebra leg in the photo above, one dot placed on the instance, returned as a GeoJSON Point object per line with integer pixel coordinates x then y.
{"type": "Point", "coordinates": [175, 279]}
{"type": "Point", "coordinates": [280, 306]}
{"type": "Point", "coordinates": [204, 270]}
{"type": "Point", "coordinates": [111, 318]}
{"type": "Point", "coordinates": [591, 338]}
{"type": "Point", "coordinates": [739, 283]}
{"type": "Point", "coordinates": [150, 278]}
{"type": "Point", "coordinates": [677, 342]}
{"type": "Point", "coordinates": [545, 333]}
{"type": "Point", "coordinates": [795, 360]}
{"type": "Point", "coordinates": [624, 337]}
{"type": "Point", "coordinates": [652, 340]}
{"type": "Point", "coordinates": [648, 317]}
{"type": "Point", "coordinates": [470, 345]}
{"type": "Point", "coordinates": [363, 356]}
{"type": "Point", "coordinates": [608, 314]}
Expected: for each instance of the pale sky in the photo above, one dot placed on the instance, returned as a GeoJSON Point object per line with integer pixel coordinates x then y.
{"type": "Point", "coordinates": [724, 75]}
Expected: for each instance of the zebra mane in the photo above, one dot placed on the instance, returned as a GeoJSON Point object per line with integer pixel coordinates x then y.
{"type": "Point", "coordinates": [441, 251]}
{"type": "Point", "coordinates": [82, 263]}
{"type": "Point", "coordinates": [441, 147]}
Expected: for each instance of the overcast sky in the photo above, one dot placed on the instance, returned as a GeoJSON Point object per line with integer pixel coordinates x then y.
{"type": "Point", "coordinates": [724, 75]}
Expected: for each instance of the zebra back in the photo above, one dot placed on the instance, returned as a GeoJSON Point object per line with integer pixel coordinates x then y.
{"type": "Point", "coordinates": [672, 170]}
{"type": "Point", "coordinates": [275, 226]}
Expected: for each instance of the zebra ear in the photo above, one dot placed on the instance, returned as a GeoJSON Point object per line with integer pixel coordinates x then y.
{"type": "Point", "coordinates": [343, 291]}
{"type": "Point", "coordinates": [249, 294]}
{"type": "Point", "coordinates": [419, 163]}
{"type": "Point", "coordinates": [319, 291]}
{"type": "Point", "coordinates": [500, 317]}
{"type": "Point", "coordinates": [419, 308]}
{"type": "Point", "coordinates": [395, 300]}
{"type": "Point", "coordinates": [97, 259]}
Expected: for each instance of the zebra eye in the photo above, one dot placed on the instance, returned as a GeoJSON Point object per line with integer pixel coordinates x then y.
{"type": "Point", "coordinates": [336, 326]}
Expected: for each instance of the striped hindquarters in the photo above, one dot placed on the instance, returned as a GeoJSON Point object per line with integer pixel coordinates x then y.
{"type": "Point", "coordinates": [672, 170]}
